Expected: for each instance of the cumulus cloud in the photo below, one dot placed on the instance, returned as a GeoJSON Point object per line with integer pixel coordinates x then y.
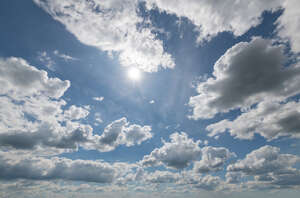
{"type": "Point", "coordinates": [213, 17]}
{"type": "Point", "coordinates": [269, 167]}
{"type": "Point", "coordinates": [18, 78]}
{"type": "Point", "coordinates": [76, 113]}
{"type": "Point", "coordinates": [162, 177]}
{"type": "Point", "coordinates": [111, 26]}
{"type": "Point", "coordinates": [213, 159]}
{"type": "Point", "coordinates": [177, 154]}
{"type": "Point", "coordinates": [246, 74]}
{"type": "Point", "coordinates": [269, 119]}
{"type": "Point", "coordinates": [120, 132]}
{"type": "Point", "coordinates": [39, 168]}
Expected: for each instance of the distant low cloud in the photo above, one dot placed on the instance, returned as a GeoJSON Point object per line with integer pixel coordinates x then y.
{"type": "Point", "coordinates": [39, 168]}
{"type": "Point", "coordinates": [270, 168]}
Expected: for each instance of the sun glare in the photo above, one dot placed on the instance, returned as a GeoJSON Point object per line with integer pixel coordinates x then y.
{"type": "Point", "coordinates": [134, 74]}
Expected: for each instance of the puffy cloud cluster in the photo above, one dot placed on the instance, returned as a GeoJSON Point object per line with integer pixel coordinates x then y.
{"type": "Point", "coordinates": [120, 132]}
{"type": "Point", "coordinates": [181, 151]}
{"type": "Point", "coordinates": [33, 116]}
{"type": "Point", "coordinates": [114, 27]}
{"type": "Point", "coordinates": [178, 153]}
{"type": "Point", "coordinates": [213, 159]}
{"type": "Point", "coordinates": [269, 167]}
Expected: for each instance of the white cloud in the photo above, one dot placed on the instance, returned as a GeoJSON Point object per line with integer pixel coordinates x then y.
{"type": "Point", "coordinates": [18, 78]}
{"type": "Point", "coordinates": [151, 101]}
{"type": "Point", "coordinates": [269, 119]}
{"type": "Point", "coordinates": [111, 26]}
{"type": "Point", "coordinates": [213, 17]}
{"type": "Point", "coordinates": [269, 167]}
{"type": "Point", "coordinates": [213, 159]}
{"type": "Point", "coordinates": [289, 24]}
{"type": "Point", "coordinates": [162, 177]}
{"type": "Point", "coordinates": [178, 153]}
{"type": "Point", "coordinates": [64, 56]}
{"type": "Point", "coordinates": [76, 113]}
{"type": "Point", "coordinates": [101, 98]}
{"type": "Point", "coordinates": [120, 132]}
{"type": "Point", "coordinates": [246, 74]}
{"type": "Point", "coordinates": [44, 58]}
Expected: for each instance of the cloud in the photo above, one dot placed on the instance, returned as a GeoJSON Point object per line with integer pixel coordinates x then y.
{"type": "Point", "coordinates": [269, 168]}
{"type": "Point", "coordinates": [289, 24]}
{"type": "Point", "coordinates": [160, 177]}
{"type": "Point", "coordinates": [151, 101]}
{"type": "Point", "coordinates": [64, 56]}
{"type": "Point", "coordinates": [76, 113]}
{"type": "Point", "coordinates": [39, 168]}
{"type": "Point", "coordinates": [44, 58]}
{"type": "Point", "coordinates": [246, 74]}
{"type": "Point", "coordinates": [177, 154]}
{"type": "Point", "coordinates": [213, 17]}
{"type": "Point", "coordinates": [101, 98]}
{"type": "Point", "coordinates": [269, 119]}
{"type": "Point", "coordinates": [213, 159]}
{"type": "Point", "coordinates": [120, 132]}
{"type": "Point", "coordinates": [114, 27]}
{"type": "Point", "coordinates": [18, 78]}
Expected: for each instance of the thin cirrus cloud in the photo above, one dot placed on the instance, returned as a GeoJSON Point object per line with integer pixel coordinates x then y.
{"type": "Point", "coordinates": [112, 26]}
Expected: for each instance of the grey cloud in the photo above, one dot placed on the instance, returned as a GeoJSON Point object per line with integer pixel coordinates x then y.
{"type": "Point", "coordinates": [38, 168]}
{"type": "Point", "coordinates": [213, 159]}
{"type": "Point", "coordinates": [246, 74]}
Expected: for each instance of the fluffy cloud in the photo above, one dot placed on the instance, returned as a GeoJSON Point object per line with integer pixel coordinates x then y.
{"type": "Point", "coordinates": [178, 153]}
{"type": "Point", "coordinates": [269, 167]}
{"type": "Point", "coordinates": [120, 132]}
{"type": "Point", "coordinates": [213, 17]}
{"type": "Point", "coordinates": [289, 24]}
{"type": "Point", "coordinates": [246, 74]}
{"type": "Point", "coordinates": [213, 159]}
{"type": "Point", "coordinates": [114, 27]}
{"type": "Point", "coordinates": [18, 78]}
{"type": "Point", "coordinates": [39, 168]}
{"type": "Point", "coordinates": [269, 119]}
{"type": "Point", "coordinates": [162, 177]}
{"type": "Point", "coordinates": [31, 110]}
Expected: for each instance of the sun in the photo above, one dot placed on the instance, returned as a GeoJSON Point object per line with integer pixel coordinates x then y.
{"type": "Point", "coordinates": [134, 74]}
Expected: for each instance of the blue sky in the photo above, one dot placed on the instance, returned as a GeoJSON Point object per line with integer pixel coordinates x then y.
{"type": "Point", "coordinates": [212, 110]}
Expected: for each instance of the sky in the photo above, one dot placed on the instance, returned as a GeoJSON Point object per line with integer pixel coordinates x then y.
{"type": "Point", "coordinates": [156, 98]}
